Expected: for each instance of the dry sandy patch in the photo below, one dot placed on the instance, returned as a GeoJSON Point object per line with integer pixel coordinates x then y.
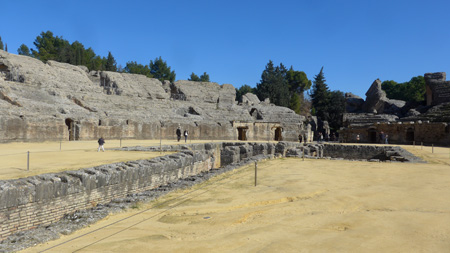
{"type": "Point", "coordinates": [50, 157]}
{"type": "Point", "coordinates": [297, 206]}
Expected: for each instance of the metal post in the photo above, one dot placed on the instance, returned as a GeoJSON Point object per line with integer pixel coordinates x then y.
{"type": "Point", "coordinates": [28, 161]}
{"type": "Point", "coordinates": [432, 148]}
{"type": "Point", "coordinates": [414, 143]}
{"type": "Point", "coordinates": [256, 172]}
{"type": "Point", "coordinates": [421, 145]}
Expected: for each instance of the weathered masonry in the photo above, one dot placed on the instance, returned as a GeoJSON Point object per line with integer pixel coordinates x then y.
{"type": "Point", "coordinates": [58, 101]}
{"type": "Point", "coordinates": [403, 123]}
{"type": "Point", "coordinates": [40, 200]}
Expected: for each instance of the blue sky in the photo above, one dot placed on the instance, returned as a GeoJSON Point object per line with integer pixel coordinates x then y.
{"type": "Point", "coordinates": [355, 41]}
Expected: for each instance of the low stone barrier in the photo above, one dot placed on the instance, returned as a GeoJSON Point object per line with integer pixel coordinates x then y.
{"type": "Point", "coordinates": [41, 200]}
{"type": "Point", "coordinates": [369, 152]}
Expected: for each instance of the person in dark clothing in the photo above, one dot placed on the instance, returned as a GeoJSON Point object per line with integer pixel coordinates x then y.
{"type": "Point", "coordinates": [185, 135]}
{"type": "Point", "coordinates": [300, 138]}
{"type": "Point", "coordinates": [101, 141]}
{"type": "Point", "coordinates": [382, 137]}
{"type": "Point", "coordinates": [178, 134]}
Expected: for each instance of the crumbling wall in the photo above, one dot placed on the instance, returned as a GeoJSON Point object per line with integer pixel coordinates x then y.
{"type": "Point", "coordinates": [437, 88]}
{"type": "Point", "coordinates": [34, 201]}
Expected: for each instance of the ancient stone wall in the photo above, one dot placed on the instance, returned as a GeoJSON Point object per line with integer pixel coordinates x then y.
{"type": "Point", "coordinates": [39, 200]}
{"type": "Point", "coordinates": [437, 133]}
{"type": "Point", "coordinates": [76, 105]}
{"type": "Point", "coordinates": [437, 88]}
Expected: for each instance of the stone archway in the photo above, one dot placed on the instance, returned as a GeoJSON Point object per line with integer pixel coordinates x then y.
{"type": "Point", "coordinates": [71, 127]}
{"type": "Point", "coordinates": [278, 134]}
{"type": "Point", "coordinates": [242, 133]}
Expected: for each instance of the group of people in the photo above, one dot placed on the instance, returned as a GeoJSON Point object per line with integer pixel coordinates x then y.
{"type": "Point", "coordinates": [321, 137]}
{"type": "Point", "coordinates": [383, 138]}
{"type": "Point", "coordinates": [185, 133]}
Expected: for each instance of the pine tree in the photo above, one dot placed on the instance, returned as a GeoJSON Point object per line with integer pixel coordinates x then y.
{"type": "Point", "coordinates": [111, 64]}
{"type": "Point", "coordinates": [194, 78]}
{"type": "Point", "coordinates": [336, 109]}
{"type": "Point", "coordinates": [1, 43]}
{"type": "Point", "coordinates": [23, 50]}
{"type": "Point", "coordinates": [204, 77]}
{"type": "Point", "coordinates": [320, 96]}
{"type": "Point", "coordinates": [274, 85]}
{"type": "Point", "coordinates": [160, 70]}
{"type": "Point", "coordinates": [6, 47]}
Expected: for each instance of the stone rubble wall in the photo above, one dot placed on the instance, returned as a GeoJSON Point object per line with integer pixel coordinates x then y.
{"type": "Point", "coordinates": [40, 200]}
{"type": "Point", "coordinates": [369, 153]}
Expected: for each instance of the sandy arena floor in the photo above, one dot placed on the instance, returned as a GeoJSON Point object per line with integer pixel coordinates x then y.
{"type": "Point", "coordinates": [51, 157]}
{"type": "Point", "coordinates": [297, 206]}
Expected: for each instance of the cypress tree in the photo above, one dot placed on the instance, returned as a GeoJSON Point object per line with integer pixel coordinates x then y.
{"type": "Point", "coordinates": [320, 96]}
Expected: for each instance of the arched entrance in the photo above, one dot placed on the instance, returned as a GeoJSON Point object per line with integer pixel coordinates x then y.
{"type": "Point", "coordinates": [372, 133]}
{"type": "Point", "coordinates": [278, 134]}
{"type": "Point", "coordinates": [410, 135]}
{"type": "Point", "coordinates": [71, 126]}
{"type": "Point", "coordinates": [242, 133]}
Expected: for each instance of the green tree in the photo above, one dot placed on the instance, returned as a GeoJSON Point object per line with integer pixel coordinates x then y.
{"type": "Point", "coordinates": [244, 89]}
{"type": "Point", "coordinates": [194, 78]}
{"type": "Point", "coordinates": [111, 64]}
{"type": "Point", "coordinates": [24, 50]}
{"type": "Point", "coordinates": [160, 70]}
{"type": "Point", "coordinates": [204, 77]}
{"type": "Point", "coordinates": [297, 81]}
{"type": "Point", "coordinates": [336, 109]}
{"type": "Point", "coordinates": [274, 85]}
{"type": "Point", "coordinates": [133, 67]}
{"type": "Point", "coordinates": [1, 43]}
{"type": "Point", "coordinates": [295, 103]}
{"type": "Point", "coordinates": [49, 47]}
{"type": "Point", "coordinates": [320, 96]}
{"type": "Point", "coordinates": [412, 91]}
{"type": "Point", "coordinates": [6, 47]}
{"type": "Point", "coordinates": [76, 55]}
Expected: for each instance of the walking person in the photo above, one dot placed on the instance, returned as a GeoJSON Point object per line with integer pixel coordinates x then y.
{"type": "Point", "coordinates": [178, 134]}
{"type": "Point", "coordinates": [101, 142]}
{"type": "Point", "coordinates": [386, 139]}
{"type": "Point", "coordinates": [185, 135]}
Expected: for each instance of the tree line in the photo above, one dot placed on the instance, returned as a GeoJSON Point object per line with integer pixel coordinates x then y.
{"type": "Point", "coordinates": [56, 48]}
{"type": "Point", "coordinates": [283, 86]}
{"type": "Point", "coordinates": [411, 91]}
{"type": "Point", "coordinates": [286, 87]}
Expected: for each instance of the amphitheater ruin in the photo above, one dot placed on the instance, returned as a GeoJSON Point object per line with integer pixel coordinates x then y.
{"type": "Point", "coordinates": [60, 102]}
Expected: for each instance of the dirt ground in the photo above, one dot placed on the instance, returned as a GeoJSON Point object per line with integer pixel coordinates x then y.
{"type": "Point", "coordinates": [297, 206]}
{"type": "Point", "coordinates": [49, 157]}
